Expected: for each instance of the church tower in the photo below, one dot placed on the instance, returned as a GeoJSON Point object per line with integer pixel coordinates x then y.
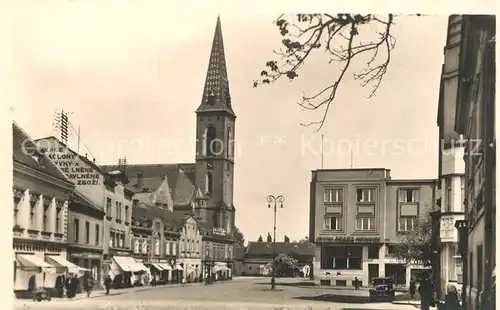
{"type": "Point", "coordinates": [215, 120]}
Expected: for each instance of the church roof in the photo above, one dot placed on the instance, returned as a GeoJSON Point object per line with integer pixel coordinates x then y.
{"type": "Point", "coordinates": [181, 179]}
{"type": "Point", "coordinates": [216, 95]}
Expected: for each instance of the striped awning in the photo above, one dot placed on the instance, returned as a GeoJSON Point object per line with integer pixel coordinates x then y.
{"type": "Point", "coordinates": [31, 261]}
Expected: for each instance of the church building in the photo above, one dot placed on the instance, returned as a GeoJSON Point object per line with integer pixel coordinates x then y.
{"type": "Point", "coordinates": [203, 188]}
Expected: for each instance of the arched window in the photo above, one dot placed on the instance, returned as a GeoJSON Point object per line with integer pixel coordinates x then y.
{"type": "Point", "coordinates": [211, 144]}
{"type": "Point", "coordinates": [208, 182]}
{"type": "Point", "coordinates": [229, 144]}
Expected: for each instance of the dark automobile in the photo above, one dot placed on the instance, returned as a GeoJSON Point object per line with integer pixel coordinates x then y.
{"type": "Point", "coordinates": [382, 289]}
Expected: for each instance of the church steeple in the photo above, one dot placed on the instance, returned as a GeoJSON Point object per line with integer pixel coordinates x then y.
{"type": "Point", "coordinates": [216, 96]}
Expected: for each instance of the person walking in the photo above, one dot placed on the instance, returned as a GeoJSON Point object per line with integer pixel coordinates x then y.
{"type": "Point", "coordinates": [413, 288]}
{"type": "Point", "coordinates": [153, 280]}
{"type": "Point", "coordinates": [356, 283]}
{"type": "Point", "coordinates": [426, 291]}
{"type": "Point", "coordinates": [107, 284]}
{"type": "Point", "coordinates": [88, 284]}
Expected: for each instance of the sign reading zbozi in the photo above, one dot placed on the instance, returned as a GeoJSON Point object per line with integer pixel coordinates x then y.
{"type": "Point", "coordinates": [347, 239]}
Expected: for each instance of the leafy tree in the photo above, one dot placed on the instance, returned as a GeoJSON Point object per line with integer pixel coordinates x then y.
{"type": "Point", "coordinates": [284, 262]}
{"type": "Point", "coordinates": [287, 240]}
{"type": "Point", "coordinates": [415, 246]}
{"type": "Point", "coordinates": [346, 38]}
{"type": "Point", "coordinates": [269, 238]}
{"type": "Point", "coordinates": [260, 239]}
{"type": "Point", "coordinates": [238, 236]}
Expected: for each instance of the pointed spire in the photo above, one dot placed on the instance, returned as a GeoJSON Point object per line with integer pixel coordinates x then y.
{"type": "Point", "coordinates": [216, 94]}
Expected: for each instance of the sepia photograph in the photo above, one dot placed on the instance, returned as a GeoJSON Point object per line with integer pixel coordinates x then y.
{"type": "Point", "coordinates": [170, 158]}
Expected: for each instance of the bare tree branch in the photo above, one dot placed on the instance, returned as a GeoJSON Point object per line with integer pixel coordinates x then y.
{"type": "Point", "coordinates": [338, 34]}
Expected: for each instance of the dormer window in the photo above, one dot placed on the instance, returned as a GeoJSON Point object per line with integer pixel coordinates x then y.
{"type": "Point", "coordinates": [211, 98]}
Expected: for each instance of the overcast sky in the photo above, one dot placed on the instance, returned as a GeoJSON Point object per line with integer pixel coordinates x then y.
{"type": "Point", "coordinates": [133, 75]}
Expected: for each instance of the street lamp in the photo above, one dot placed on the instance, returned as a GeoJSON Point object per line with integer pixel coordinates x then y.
{"type": "Point", "coordinates": [273, 203]}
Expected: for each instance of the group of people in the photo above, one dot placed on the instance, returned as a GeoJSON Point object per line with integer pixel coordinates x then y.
{"type": "Point", "coordinates": [69, 285]}
{"type": "Point", "coordinates": [426, 291]}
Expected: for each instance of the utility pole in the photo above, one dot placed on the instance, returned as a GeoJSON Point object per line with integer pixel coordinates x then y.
{"type": "Point", "coordinates": [272, 203]}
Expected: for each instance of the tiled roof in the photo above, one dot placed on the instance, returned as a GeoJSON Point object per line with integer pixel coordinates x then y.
{"type": "Point", "coordinates": [80, 199]}
{"type": "Point", "coordinates": [266, 248]}
{"type": "Point", "coordinates": [181, 179]}
{"type": "Point", "coordinates": [239, 252]}
{"type": "Point", "coordinates": [146, 212]}
{"type": "Point", "coordinates": [20, 140]}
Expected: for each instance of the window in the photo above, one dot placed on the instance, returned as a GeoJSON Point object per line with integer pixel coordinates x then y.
{"type": "Point", "coordinates": [365, 223]}
{"type": "Point", "coordinates": [408, 195]}
{"type": "Point", "coordinates": [33, 215]}
{"type": "Point", "coordinates": [76, 230]}
{"type": "Point", "coordinates": [108, 207]}
{"type": "Point", "coordinates": [462, 193]}
{"type": "Point", "coordinates": [373, 251]}
{"type": "Point", "coordinates": [112, 239]}
{"type": "Point", "coordinates": [449, 197]}
{"type": "Point", "coordinates": [127, 213]}
{"type": "Point", "coordinates": [157, 245]}
{"type": "Point", "coordinates": [58, 220]}
{"type": "Point", "coordinates": [87, 232]}
{"type": "Point", "coordinates": [229, 143]}
{"type": "Point", "coordinates": [174, 248]}
{"type": "Point", "coordinates": [365, 194]}
{"type": "Point", "coordinates": [208, 182]}
{"type": "Point", "coordinates": [341, 257]}
{"type": "Point", "coordinates": [333, 195]}
{"type": "Point", "coordinates": [45, 219]}
{"type": "Point", "coordinates": [332, 223]}
{"type": "Point", "coordinates": [211, 143]}
{"type": "Point", "coordinates": [16, 210]}
{"type": "Point", "coordinates": [97, 234]}
{"type": "Point", "coordinates": [118, 211]}
{"type": "Point", "coordinates": [407, 223]}
{"type": "Point", "coordinates": [167, 247]}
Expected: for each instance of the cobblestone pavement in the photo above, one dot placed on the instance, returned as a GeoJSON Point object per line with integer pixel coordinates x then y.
{"type": "Point", "coordinates": [242, 294]}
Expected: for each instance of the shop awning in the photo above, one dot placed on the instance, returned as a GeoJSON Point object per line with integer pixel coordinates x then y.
{"type": "Point", "coordinates": [165, 266]}
{"type": "Point", "coordinates": [179, 267]}
{"type": "Point", "coordinates": [157, 266]}
{"type": "Point", "coordinates": [32, 261]}
{"type": "Point", "coordinates": [58, 261]}
{"type": "Point", "coordinates": [128, 264]}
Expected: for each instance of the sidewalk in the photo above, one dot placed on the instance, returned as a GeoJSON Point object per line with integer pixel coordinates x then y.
{"type": "Point", "coordinates": [21, 303]}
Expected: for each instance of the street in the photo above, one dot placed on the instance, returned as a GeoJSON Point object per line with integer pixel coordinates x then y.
{"type": "Point", "coordinates": [253, 293]}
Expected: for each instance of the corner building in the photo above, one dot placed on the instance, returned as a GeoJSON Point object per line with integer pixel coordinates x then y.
{"type": "Point", "coordinates": [355, 218]}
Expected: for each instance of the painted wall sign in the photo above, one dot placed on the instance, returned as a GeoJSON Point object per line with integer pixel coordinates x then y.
{"type": "Point", "coordinates": [347, 239]}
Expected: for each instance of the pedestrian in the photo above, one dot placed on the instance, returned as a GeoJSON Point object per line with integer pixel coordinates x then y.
{"type": "Point", "coordinates": [107, 284]}
{"type": "Point", "coordinates": [153, 280]}
{"type": "Point", "coordinates": [88, 283]}
{"type": "Point", "coordinates": [426, 291]}
{"type": "Point", "coordinates": [66, 286]}
{"type": "Point", "coordinates": [183, 281]}
{"type": "Point", "coordinates": [451, 300]}
{"type": "Point", "coordinates": [413, 288]}
{"type": "Point", "coordinates": [356, 283]}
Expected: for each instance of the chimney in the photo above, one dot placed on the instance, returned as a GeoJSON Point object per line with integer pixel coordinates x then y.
{"type": "Point", "coordinates": [140, 180]}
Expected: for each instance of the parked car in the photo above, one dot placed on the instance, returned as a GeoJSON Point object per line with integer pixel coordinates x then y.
{"type": "Point", "coordinates": [382, 289]}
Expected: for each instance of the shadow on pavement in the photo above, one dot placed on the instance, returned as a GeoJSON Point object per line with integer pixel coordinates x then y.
{"type": "Point", "coordinates": [289, 283]}
{"type": "Point", "coordinates": [338, 298]}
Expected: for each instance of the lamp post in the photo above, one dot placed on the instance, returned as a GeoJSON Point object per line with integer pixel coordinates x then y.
{"type": "Point", "coordinates": [273, 203]}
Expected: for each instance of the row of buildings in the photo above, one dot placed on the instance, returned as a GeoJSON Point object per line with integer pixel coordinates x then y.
{"type": "Point", "coordinates": [131, 222]}
{"type": "Point", "coordinates": [466, 120]}
{"type": "Point", "coordinates": [357, 214]}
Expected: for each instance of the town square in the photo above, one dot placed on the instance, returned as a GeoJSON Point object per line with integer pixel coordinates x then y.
{"type": "Point", "coordinates": [186, 159]}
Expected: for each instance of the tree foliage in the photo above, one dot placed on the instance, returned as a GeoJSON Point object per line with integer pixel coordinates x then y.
{"type": "Point", "coordinates": [346, 39]}
{"type": "Point", "coordinates": [269, 238]}
{"type": "Point", "coordinates": [284, 262]}
{"type": "Point", "coordinates": [238, 236]}
{"type": "Point", "coordinates": [286, 239]}
{"type": "Point", "coordinates": [260, 239]}
{"type": "Point", "coordinates": [303, 240]}
{"type": "Point", "coordinates": [415, 246]}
